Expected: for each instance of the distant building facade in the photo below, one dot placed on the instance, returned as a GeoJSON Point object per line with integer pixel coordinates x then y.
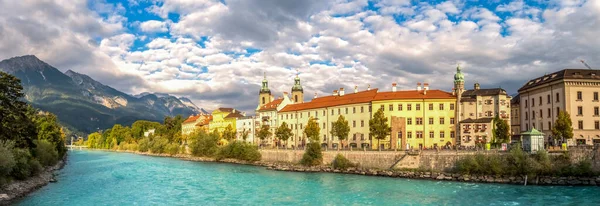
{"type": "Point", "coordinates": [248, 126]}
{"type": "Point", "coordinates": [223, 117]}
{"type": "Point", "coordinates": [572, 90]}
{"type": "Point", "coordinates": [515, 118]}
{"type": "Point", "coordinates": [195, 122]}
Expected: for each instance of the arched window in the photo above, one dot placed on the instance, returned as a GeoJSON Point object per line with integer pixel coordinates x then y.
{"type": "Point", "coordinates": [263, 100]}
{"type": "Point", "coordinates": [295, 98]}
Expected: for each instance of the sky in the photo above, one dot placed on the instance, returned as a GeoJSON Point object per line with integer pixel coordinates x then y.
{"type": "Point", "coordinates": [215, 52]}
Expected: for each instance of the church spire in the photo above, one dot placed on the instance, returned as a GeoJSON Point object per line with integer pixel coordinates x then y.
{"type": "Point", "coordinates": [265, 85]}
{"type": "Point", "coordinates": [297, 86]}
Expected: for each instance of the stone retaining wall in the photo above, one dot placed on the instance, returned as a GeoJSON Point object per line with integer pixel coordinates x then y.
{"type": "Point", "coordinates": [367, 159]}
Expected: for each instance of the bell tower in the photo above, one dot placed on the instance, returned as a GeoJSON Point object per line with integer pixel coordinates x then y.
{"type": "Point", "coordinates": [297, 91]}
{"type": "Point", "coordinates": [264, 96]}
{"type": "Point", "coordinates": [459, 88]}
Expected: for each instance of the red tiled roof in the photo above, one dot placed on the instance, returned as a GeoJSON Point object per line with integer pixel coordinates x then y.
{"type": "Point", "coordinates": [331, 101]}
{"type": "Point", "coordinates": [271, 105]}
{"type": "Point", "coordinates": [234, 114]}
{"type": "Point", "coordinates": [414, 94]}
{"type": "Point", "coordinates": [191, 119]}
{"type": "Point", "coordinates": [206, 121]}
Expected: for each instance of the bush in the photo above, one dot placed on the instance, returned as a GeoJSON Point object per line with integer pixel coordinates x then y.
{"type": "Point", "coordinates": [158, 145]}
{"type": "Point", "coordinates": [172, 148]}
{"type": "Point", "coordinates": [7, 161]}
{"type": "Point", "coordinates": [202, 144]}
{"type": "Point", "coordinates": [144, 144]}
{"type": "Point", "coordinates": [239, 150]}
{"type": "Point", "coordinates": [22, 169]}
{"type": "Point", "coordinates": [312, 155]}
{"type": "Point", "coordinates": [467, 165]}
{"type": "Point", "coordinates": [45, 152]}
{"type": "Point", "coordinates": [340, 162]}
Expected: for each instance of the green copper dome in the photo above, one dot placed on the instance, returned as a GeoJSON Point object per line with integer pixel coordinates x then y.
{"type": "Point", "coordinates": [265, 85]}
{"type": "Point", "coordinates": [297, 86]}
{"type": "Point", "coordinates": [459, 77]}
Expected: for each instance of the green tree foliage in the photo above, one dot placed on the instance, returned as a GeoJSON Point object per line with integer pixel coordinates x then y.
{"type": "Point", "coordinates": [312, 130]}
{"type": "Point", "coordinates": [202, 144]}
{"type": "Point", "coordinates": [94, 140]}
{"type": "Point", "coordinates": [139, 127]}
{"type": "Point", "coordinates": [239, 150]}
{"type": "Point", "coordinates": [229, 133]}
{"type": "Point", "coordinates": [378, 127]}
{"type": "Point", "coordinates": [264, 132]}
{"type": "Point", "coordinates": [144, 144]}
{"type": "Point", "coordinates": [340, 162]}
{"type": "Point", "coordinates": [45, 152]}
{"type": "Point", "coordinates": [172, 149]}
{"type": "Point", "coordinates": [312, 155]}
{"type": "Point", "coordinates": [245, 134]}
{"type": "Point", "coordinates": [283, 132]}
{"type": "Point", "coordinates": [501, 132]}
{"type": "Point", "coordinates": [48, 129]}
{"type": "Point", "coordinates": [171, 129]}
{"type": "Point", "coordinates": [563, 126]}
{"type": "Point", "coordinates": [158, 144]}
{"type": "Point", "coordinates": [15, 122]}
{"type": "Point", "coordinates": [341, 129]}
{"type": "Point", "coordinates": [26, 166]}
{"type": "Point", "coordinates": [7, 160]}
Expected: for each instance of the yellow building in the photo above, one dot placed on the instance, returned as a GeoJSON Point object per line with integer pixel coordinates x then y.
{"type": "Point", "coordinates": [223, 117]}
{"type": "Point", "coordinates": [420, 118]}
{"type": "Point", "coordinates": [195, 122]}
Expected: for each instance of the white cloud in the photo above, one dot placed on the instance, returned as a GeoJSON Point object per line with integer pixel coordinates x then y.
{"type": "Point", "coordinates": [154, 26]}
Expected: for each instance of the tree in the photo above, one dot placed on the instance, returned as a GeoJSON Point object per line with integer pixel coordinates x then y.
{"type": "Point", "coordinates": [341, 129]}
{"type": "Point", "coordinates": [501, 133]}
{"type": "Point", "coordinates": [49, 129]}
{"type": "Point", "coordinates": [245, 134]}
{"type": "Point", "coordinates": [283, 132]}
{"type": "Point", "coordinates": [264, 132]}
{"type": "Point", "coordinates": [229, 133]}
{"type": "Point", "coordinates": [93, 140]}
{"type": "Point", "coordinates": [378, 127]}
{"type": "Point", "coordinates": [312, 130]}
{"type": "Point", "coordinates": [563, 127]}
{"type": "Point", "coordinates": [15, 122]}
{"type": "Point", "coordinates": [312, 155]}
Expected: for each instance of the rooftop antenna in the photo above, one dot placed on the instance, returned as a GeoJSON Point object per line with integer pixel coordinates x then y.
{"type": "Point", "coordinates": [586, 65]}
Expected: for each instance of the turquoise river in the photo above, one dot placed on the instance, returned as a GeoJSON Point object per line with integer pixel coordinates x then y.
{"type": "Point", "coordinates": [110, 178]}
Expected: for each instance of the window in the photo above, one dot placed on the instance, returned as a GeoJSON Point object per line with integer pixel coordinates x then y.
{"type": "Point", "coordinates": [580, 124]}
{"type": "Point", "coordinates": [452, 134]}
{"type": "Point", "coordinates": [452, 106]}
{"type": "Point", "coordinates": [324, 125]}
{"type": "Point", "coordinates": [549, 125]}
{"type": "Point", "coordinates": [354, 137]}
{"type": "Point", "coordinates": [316, 114]}
{"type": "Point", "coordinates": [409, 135]}
{"type": "Point", "coordinates": [370, 108]}
{"type": "Point", "coordinates": [300, 126]}
{"type": "Point", "coordinates": [362, 123]}
{"type": "Point", "coordinates": [595, 96]}
{"type": "Point", "coordinates": [399, 107]}
{"type": "Point", "coordinates": [541, 116]}
{"type": "Point", "coordinates": [557, 111]}
{"type": "Point", "coordinates": [533, 124]}
{"type": "Point", "coordinates": [526, 104]}
{"type": "Point", "coordinates": [324, 137]}
{"type": "Point", "coordinates": [419, 135]}
{"type": "Point", "coordinates": [391, 106]}
{"type": "Point", "coordinates": [532, 102]}
{"type": "Point", "coordinates": [557, 97]}
{"type": "Point", "coordinates": [418, 107]}
{"type": "Point", "coordinates": [452, 120]}
{"type": "Point", "coordinates": [540, 100]}
{"type": "Point", "coordinates": [339, 111]}
{"type": "Point", "coordinates": [409, 121]}
{"type": "Point", "coordinates": [399, 135]}
{"type": "Point", "coordinates": [596, 111]}
{"type": "Point", "coordinates": [431, 134]}
{"type": "Point", "coordinates": [579, 111]}
{"type": "Point", "coordinates": [442, 135]}
{"type": "Point", "coordinates": [300, 115]}
{"type": "Point", "coordinates": [430, 106]}
{"type": "Point", "coordinates": [362, 136]}
{"type": "Point", "coordinates": [409, 107]}
{"type": "Point", "coordinates": [362, 109]}
{"type": "Point", "coordinates": [526, 116]}
{"type": "Point", "coordinates": [548, 102]}
{"type": "Point", "coordinates": [532, 114]}
{"type": "Point", "coordinates": [332, 112]}
{"type": "Point", "coordinates": [346, 110]}
{"type": "Point", "coordinates": [579, 96]}
{"type": "Point", "coordinates": [441, 106]}
{"type": "Point", "coordinates": [381, 107]}
{"type": "Point", "coordinates": [549, 113]}
{"type": "Point", "coordinates": [324, 113]}
{"type": "Point", "coordinates": [430, 120]}
{"type": "Point", "coordinates": [354, 124]}
{"type": "Point", "coordinates": [442, 120]}
{"type": "Point", "coordinates": [354, 110]}
{"type": "Point", "coordinates": [597, 125]}
{"type": "Point", "coordinates": [419, 121]}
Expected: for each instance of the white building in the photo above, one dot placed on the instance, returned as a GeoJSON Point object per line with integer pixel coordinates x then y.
{"type": "Point", "coordinates": [247, 125]}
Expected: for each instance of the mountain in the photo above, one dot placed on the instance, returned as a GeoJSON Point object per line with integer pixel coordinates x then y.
{"type": "Point", "coordinates": [86, 105]}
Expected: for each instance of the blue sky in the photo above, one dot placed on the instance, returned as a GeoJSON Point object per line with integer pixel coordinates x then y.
{"type": "Point", "coordinates": [215, 51]}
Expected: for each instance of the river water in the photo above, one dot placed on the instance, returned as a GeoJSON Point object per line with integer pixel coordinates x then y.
{"type": "Point", "coordinates": [109, 178]}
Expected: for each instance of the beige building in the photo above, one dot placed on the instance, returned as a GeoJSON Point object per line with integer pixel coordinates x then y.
{"type": "Point", "coordinates": [478, 108]}
{"type": "Point", "coordinates": [267, 115]}
{"type": "Point", "coordinates": [515, 118]}
{"type": "Point", "coordinates": [572, 90]}
{"type": "Point", "coordinates": [355, 107]}
{"type": "Point", "coordinates": [195, 122]}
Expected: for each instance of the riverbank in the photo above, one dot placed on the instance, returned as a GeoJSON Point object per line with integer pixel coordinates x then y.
{"type": "Point", "coordinates": [20, 188]}
{"type": "Point", "coordinates": [394, 173]}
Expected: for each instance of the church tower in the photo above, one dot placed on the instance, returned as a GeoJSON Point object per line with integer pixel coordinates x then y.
{"type": "Point", "coordinates": [297, 91]}
{"type": "Point", "coordinates": [459, 88]}
{"type": "Point", "coordinates": [264, 96]}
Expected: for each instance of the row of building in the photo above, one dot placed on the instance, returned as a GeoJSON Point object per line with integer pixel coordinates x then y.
{"type": "Point", "coordinates": [423, 117]}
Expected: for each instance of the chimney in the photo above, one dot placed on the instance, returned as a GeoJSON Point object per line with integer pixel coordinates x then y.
{"type": "Point", "coordinates": [394, 87]}
{"type": "Point", "coordinates": [341, 92]}
{"type": "Point", "coordinates": [315, 95]}
{"type": "Point", "coordinates": [425, 86]}
{"type": "Point", "coordinates": [476, 86]}
{"type": "Point", "coordinates": [335, 92]}
{"type": "Point", "coordinates": [418, 86]}
{"type": "Point", "coordinates": [355, 89]}
{"type": "Point", "coordinates": [369, 88]}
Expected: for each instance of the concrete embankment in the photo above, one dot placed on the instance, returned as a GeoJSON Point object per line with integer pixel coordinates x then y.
{"type": "Point", "coordinates": [21, 188]}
